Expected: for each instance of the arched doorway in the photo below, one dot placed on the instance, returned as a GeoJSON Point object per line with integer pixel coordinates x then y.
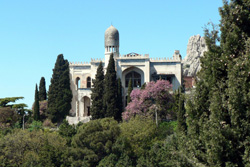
{"type": "Point", "coordinates": [86, 101]}
{"type": "Point", "coordinates": [135, 77]}
{"type": "Point", "coordinates": [135, 74]}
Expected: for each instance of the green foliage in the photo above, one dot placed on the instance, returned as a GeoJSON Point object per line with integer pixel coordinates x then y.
{"type": "Point", "coordinates": [47, 123]}
{"type": "Point", "coordinates": [59, 95]}
{"type": "Point", "coordinates": [8, 118]}
{"type": "Point", "coordinates": [143, 86]}
{"type": "Point", "coordinates": [165, 129]}
{"type": "Point", "coordinates": [130, 88]}
{"type": "Point", "coordinates": [67, 131]}
{"type": "Point", "coordinates": [12, 114]}
{"type": "Point", "coordinates": [42, 90]}
{"type": "Point", "coordinates": [5, 101]}
{"type": "Point", "coordinates": [179, 108]}
{"type": "Point", "coordinates": [94, 140]}
{"type": "Point", "coordinates": [165, 154]}
{"type": "Point", "coordinates": [110, 90]}
{"type": "Point", "coordinates": [118, 115]}
{"type": "Point", "coordinates": [96, 109]}
{"type": "Point", "coordinates": [140, 133]}
{"type": "Point", "coordinates": [36, 113]}
{"type": "Point", "coordinates": [36, 148]}
{"type": "Point", "coordinates": [218, 118]}
{"type": "Point", "coordinates": [35, 125]}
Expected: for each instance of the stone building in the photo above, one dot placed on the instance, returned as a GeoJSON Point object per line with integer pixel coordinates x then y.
{"type": "Point", "coordinates": [140, 68]}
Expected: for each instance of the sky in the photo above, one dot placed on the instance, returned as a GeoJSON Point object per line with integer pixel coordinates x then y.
{"type": "Point", "coordinates": [34, 33]}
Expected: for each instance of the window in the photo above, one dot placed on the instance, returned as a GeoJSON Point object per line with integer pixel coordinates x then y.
{"type": "Point", "coordinates": [135, 78]}
{"type": "Point", "coordinates": [78, 83]}
{"type": "Point", "coordinates": [163, 77]}
{"type": "Point", "coordinates": [88, 82]}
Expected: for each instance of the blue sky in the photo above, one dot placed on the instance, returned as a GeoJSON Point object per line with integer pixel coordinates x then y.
{"type": "Point", "coordinates": [33, 33]}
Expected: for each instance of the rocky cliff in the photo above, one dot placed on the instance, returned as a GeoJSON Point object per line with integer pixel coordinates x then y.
{"type": "Point", "coordinates": [195, 49]}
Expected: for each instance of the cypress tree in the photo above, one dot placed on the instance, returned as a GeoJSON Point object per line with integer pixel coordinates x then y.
{"type": "Point", "coordinates": [60, 94]}
{"type": "Point", "coordinates": [97, 94]}
{"type": "Point", "coordinates": [42, 90]}
{"type": "Point", "coordinates": [36, 114]}
{"type": "Point", "coordinates": [218, 118]}
{"type": "Point", "coordinates": [181, 111]}
{"type": "Point", "coordinates": [130, 88]}
{"type": "Point", "coordinates": [110, 90]}
{"type": "Point", "coordinates": [118, 116]}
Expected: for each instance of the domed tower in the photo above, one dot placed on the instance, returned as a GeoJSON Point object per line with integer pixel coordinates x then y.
{"type": "Point", "coordinates": [111, 43]}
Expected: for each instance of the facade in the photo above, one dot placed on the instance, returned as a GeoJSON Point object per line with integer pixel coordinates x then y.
{"type": "Point", "coordinates": [140, 68]}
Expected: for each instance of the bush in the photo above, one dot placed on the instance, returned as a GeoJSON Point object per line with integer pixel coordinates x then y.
{"type": "Point", "coordinates": [35, 125]}
{"type": "Point", "coordinates": [47, 123]}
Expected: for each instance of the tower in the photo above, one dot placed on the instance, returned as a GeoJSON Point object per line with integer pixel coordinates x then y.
{"type": "Point", "coordinates": [111, 44]}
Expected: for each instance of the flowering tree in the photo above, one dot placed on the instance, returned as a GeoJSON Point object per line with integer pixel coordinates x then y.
{"type": "Point", "coordinates": [154, 98]}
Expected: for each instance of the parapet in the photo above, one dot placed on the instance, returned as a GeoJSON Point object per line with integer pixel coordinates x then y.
{"type": "Point", "coordinates": [97, 60]}
{"type": "Point", "coordinates": [79, 64]}
{"type": "Point", "coordinates": [176, 58]}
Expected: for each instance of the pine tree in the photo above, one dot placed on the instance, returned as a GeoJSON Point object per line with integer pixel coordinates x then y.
{"type": "Point", "coordinates": [97, 94]}
{"type": "Point", "coordinates": [130, 88]}
{"type": "Point", "coordinates": [110, 90]}
{"type": "Point", "coordinates": [60, 94]}
{"type": "Point", "coordinates": [36, 114]}
{"type": "Point", "coordinates": [42, 90]}
{"type": "Point", "coordinates": [118, 115]}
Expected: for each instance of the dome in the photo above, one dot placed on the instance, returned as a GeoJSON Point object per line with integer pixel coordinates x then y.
{"type": "Point", "coordinates": [111, 36]}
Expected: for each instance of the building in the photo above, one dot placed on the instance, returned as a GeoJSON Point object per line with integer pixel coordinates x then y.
{"type": "Point", "coordinates": [140, 68]}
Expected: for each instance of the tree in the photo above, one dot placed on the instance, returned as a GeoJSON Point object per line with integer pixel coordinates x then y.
{"type": "Point", "coordinates": [36, 148]}
{"type": "Point", "coordinates": [96, 109]}
{"type": "Point", "coordinates": [94, 140]}
{"type": "Point", "coordinates": [60, 94]}
{"type": "Point", "coordinates": [42, 90]}
{"type": "Point", "coordinates": [218, 118]}
{"type": "Point", "coordinates": [130, 88]}
{"type": "Point", "coordinates": [140, 132]}
{"type": "Point", "coordinates": [118, 115]}
{"type": "Point", "coordinates": [8, 117]}
{"type": "Point", "coordinates": [110, 90]}
{"type": "Point", "coordinates": [36, 112]}
{"type": "Point", "coordinates": [67, 131]}
{"type": "Point", "coordinates": [154, 98]}
{"type": "Point", "coordinates": [4, 101]}
{"type": "Point", "coordinates": [11, 113]}
{"type": "Point", "coordinates": [179, 108]}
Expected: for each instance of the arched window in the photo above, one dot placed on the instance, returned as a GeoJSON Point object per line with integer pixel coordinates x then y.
{"type": "Point", "coordinates": [88, 82]}
{"type": "Point", "coordinates": [78, 83]}
{"type": "Point", "coordinates": [135, 77]}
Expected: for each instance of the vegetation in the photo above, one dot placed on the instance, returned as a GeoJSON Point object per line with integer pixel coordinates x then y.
{"type": "Point", "coordinates": [210, 128]}
{"type": "Point", "coordinates": [218, 115]}
{"type": "Point", "coordinates": [154, 98]}
{"type": "Point", "coordinates": [110, 108]}
{"type": "Point", "coordinates": [130, 89]}
{"type": "Point", "coordinates": [118, 115]}
{"type": "Point", "coordinates": [59, 95]}
{"type": "Point", "coordinates": [36, 114]}
{"type": "Point", "coordinates": [42, 90]}
{"type": "Point", "coordinates": [96, 109]}
{"type": "Point", "coordinates": [12, 114]}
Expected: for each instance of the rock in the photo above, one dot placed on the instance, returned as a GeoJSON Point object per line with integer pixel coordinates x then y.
{"type": "Point", "coordinates": [195, 49]}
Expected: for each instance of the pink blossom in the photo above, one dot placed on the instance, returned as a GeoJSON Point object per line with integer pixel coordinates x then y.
{"type": "Point", "coordinates": [154, 96]}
